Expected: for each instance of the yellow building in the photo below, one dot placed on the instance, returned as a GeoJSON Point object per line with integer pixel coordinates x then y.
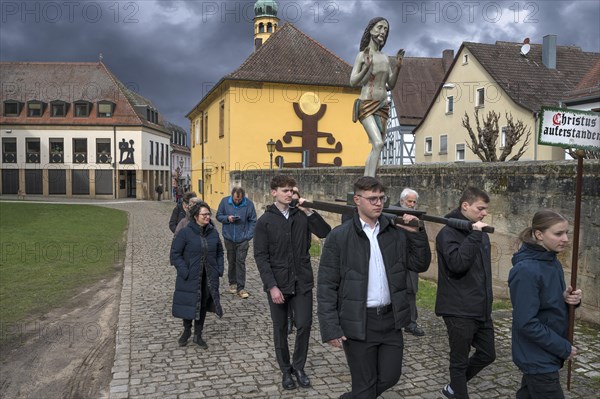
{"type": "Point", "coordinates": [502, 77]}
{"type": "Point", "coordinates": [291, 90]}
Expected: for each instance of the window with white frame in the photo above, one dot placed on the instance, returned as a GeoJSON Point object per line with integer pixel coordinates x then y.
{"type": "Point", "coordinates": [465, 59]}
{"type": "Point", "coordinates": [449, 104]}
{"type": "Point", "coordinates": [428, 145]}
{"type": "Point", "coordinates": [460, 152]}
{"type": "Point", "coordinates": [444, 144]}
{"type": "Point", "coordinates": [480, 97]}
{"type": "Point", "coordinates": [503, 136]}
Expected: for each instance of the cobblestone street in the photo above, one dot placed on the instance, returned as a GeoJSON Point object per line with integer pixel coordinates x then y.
{"type": "Point", "coordinates": [240, 361]}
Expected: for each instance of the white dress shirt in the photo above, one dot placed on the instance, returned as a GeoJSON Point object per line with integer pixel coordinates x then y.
{"type": "Point", "coordinates": [378, 291]}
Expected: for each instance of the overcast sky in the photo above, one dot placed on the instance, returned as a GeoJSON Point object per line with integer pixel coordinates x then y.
{"type": "Point", "coordinates": [173, 52]}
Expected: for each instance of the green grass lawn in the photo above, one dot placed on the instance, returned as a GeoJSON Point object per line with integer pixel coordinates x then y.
{"type": "Point", "coordinates": [50, 251]}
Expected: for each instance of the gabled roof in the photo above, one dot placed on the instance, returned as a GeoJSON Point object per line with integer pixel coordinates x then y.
{"type": "Point", "coordinates": [526, 79]}
{"type": "Point", "coordinates": [290, 56]}
{"type": "Point", "coordinates": [415, 89]}
{"type": "Point", "coordinates": [588, 86]}
{"type": "Point", "coordinates": [70, 82]}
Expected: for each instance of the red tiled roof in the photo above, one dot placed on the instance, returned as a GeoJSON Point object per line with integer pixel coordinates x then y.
{"type": "Point", "coordinates": [417, 84]}
{"type": "Point", "coordinates": [588, 86]}
{"type": "Point", "coordinates": [69, 82]}
{"type": "Point", "coordinates": [290, 56]}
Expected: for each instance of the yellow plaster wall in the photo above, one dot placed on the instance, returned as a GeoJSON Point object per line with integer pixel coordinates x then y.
{"type": "Point", "coordinates": [255, 113]}
{"type": "Point", "coordinates": [467, 78]}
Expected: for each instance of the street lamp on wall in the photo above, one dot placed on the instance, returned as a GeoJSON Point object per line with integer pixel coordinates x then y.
{"type": "Point", "coordinates": [271, 149]}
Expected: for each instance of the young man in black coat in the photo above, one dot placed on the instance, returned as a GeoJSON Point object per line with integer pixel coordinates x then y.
{"type": "Point", "coordinates": [281, 249]}
{"type": "Point", "coordinates": [464, 293]}
{"type": "Point", "coordinates": [180, 211]}
{"type": "Point", "coordinates": [362, 292]}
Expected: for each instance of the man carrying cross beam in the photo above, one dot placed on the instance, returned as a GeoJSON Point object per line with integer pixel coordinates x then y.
{"type": "Point", "coordinates": [361, 289]}
{"type": "Point", "coordinates": [464, 293]}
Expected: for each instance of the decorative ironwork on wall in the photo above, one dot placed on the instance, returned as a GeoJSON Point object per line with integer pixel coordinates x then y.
{"type": "Point", "coordinates": [309, 109]}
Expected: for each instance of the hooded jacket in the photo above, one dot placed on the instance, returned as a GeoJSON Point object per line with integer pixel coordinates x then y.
{"type": "Point", "coordinates": [281, 249]}
{"type": "Point", "coordinates": [344, 275]}
{"type": "Point", "coordinates": [464, 272]}
{"type": "Point", "coordinates": [242, 229]}
{"type": "Point", "coordinates": [540, 314]}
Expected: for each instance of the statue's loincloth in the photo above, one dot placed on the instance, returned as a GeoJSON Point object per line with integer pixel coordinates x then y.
{"type": "Point", "coordinates": [379, 109]}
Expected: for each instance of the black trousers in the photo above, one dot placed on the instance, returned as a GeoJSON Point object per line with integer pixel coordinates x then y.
{"type": "Point", "coordinates": [540, 386]}
{"type": "Point", "coordinates": [375, 363]}
{"type": "Point", "coordinates": [301, 304]}
{"type": "Point", "coordinates": [462, 334]}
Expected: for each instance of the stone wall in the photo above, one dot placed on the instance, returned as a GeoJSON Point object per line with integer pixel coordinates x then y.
{"type": "Point", "coordinates": [517, 191]}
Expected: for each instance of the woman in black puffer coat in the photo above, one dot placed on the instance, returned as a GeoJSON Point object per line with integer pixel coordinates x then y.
{"type": "Point", "coordinates": [197, 254]}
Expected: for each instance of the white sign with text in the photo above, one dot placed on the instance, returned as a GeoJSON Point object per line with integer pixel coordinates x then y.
{"type": "Point", "coordinates": [569, 128]}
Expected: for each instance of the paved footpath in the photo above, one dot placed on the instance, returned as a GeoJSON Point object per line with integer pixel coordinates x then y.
{"type": "Point", "coordinates": [240, 361]}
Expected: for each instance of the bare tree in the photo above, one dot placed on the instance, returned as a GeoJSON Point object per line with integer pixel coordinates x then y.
{"type": "Point", "coordinates": [484, 143]}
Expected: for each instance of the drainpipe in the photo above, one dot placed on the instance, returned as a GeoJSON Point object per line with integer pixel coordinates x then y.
{"type": "Point", "coordinates": [202, 160]}
{"type": "Point", "coordinates": [115, 161]}
{"type": "Point", "coordinates": [536, 121]}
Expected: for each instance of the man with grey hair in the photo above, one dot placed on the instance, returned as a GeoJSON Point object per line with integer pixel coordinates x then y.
{"type": "Point", "coordinates": [408, 199]}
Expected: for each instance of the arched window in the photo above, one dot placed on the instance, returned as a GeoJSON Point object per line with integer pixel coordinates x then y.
{"type": "Point", "coordinates": [261, 28]}
{"type": "Point", "coordinates": [270, 27]}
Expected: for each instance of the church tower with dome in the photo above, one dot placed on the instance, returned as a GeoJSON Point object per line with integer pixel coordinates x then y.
{"type": "Point", "coordinates": [265, 21]}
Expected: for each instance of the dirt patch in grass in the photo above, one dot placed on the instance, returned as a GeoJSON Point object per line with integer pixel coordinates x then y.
{"type": "Point", "coordinates": [66, 353]}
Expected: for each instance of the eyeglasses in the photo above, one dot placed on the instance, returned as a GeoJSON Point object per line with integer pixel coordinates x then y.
{"type": "Point", "coordinates": [375, 200]}
{"type": "Point", "coordinates": [205, 214]}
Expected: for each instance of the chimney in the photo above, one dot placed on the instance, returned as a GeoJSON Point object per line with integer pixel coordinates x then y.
{"type": "Point", "coordinates": [549, 51]}
{"type": "Point", "coordinates": [447, 58]}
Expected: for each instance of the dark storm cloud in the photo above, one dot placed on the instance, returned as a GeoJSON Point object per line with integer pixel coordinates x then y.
{"type": "Point", "coordinates": [173, 52]}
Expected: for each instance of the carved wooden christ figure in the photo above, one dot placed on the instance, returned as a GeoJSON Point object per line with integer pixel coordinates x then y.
{"type": "Point", "coordinates": [376, 74]}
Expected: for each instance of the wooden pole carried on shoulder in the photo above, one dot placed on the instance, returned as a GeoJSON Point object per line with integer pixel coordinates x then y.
{"type": "Point", "coordinates": [395, 213]}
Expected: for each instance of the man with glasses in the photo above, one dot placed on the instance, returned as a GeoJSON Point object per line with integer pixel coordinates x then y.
{"type": "Point", "coordinates": [281, 249]}
{"type": "Point", "coordinates": [361, 289]}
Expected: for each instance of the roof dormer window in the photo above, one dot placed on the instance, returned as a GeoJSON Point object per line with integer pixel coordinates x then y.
{"type": "Point", "coordinates": [106, 109]}
{"type": "Point", "coordinates": [82, 109]}
{"type": "Point", "coordinates": [152, 115]}
{"type": "Point", "coordinates": [12, 108]}
{"type": "Point", "coordinates": [58, 108]}
{"type": "Point", "coordinates": [35, 108]}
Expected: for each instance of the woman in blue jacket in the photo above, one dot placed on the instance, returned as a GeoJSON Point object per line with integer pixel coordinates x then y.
{"type": "Point", "coordinates": [540, 302]}
{"type": "Point", "coordinates": [197, 254]}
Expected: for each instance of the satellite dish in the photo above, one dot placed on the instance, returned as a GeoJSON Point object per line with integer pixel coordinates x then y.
{"type": "Point", "coordinates": [525, 49]}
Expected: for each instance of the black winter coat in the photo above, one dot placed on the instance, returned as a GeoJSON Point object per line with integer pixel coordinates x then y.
{"type": "Point", "coordinates": [194, 250]}
{"type": "Point", "coordinates": [281, 248]}
{"type": "Point", "coordinates": [464, 273]}
{"type": "Point", "coordinates": [343, 275]}
{"type": "Point", "coordinates": [176, 216]}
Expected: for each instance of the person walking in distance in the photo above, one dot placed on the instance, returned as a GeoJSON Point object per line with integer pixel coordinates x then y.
{"type": "Point", "coordinates": [464, 292]}
{"type": "Point", "coordinates": [238, 216]}
{"type": "Point", "coordinates": [282, 241]}
{"type": "Point", "coordinates": [408, 199]}
{"type": "Point", "coordinates": [361, 289]}
{"type": "Point", "coordinates": [540, 300]}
